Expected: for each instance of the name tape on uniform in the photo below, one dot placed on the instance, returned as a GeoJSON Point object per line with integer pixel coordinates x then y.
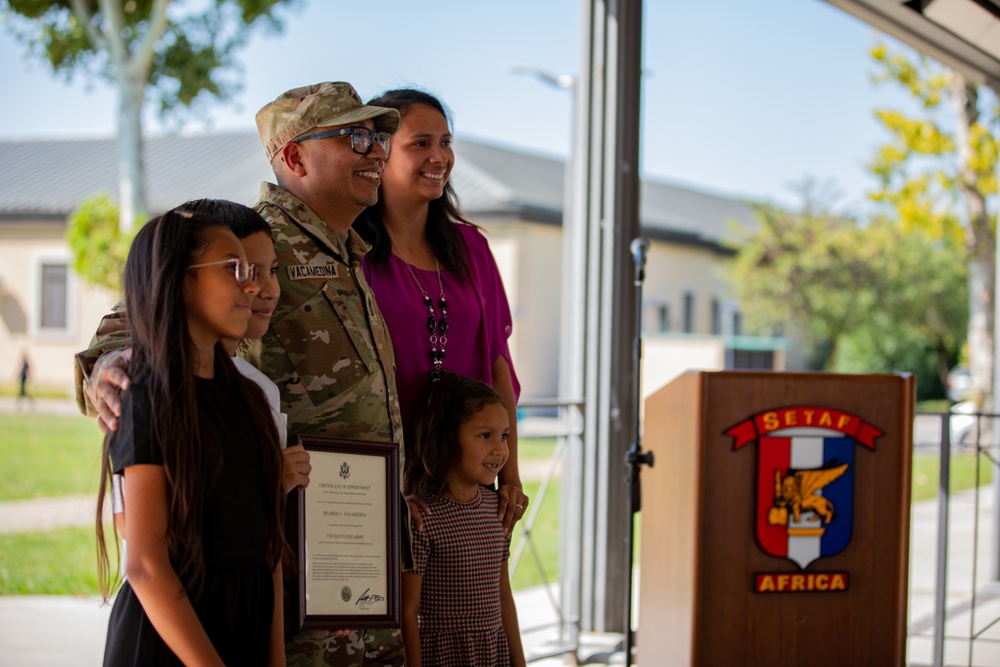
{"type": "Point", "coordinates": [309, 271]}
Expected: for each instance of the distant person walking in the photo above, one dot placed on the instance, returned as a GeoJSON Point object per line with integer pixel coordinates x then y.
{"type": "Point", "coordinates": [22, 394]}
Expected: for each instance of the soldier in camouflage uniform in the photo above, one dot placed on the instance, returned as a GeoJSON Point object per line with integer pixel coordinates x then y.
{"type": "Point", "coordinates": [327, 349]}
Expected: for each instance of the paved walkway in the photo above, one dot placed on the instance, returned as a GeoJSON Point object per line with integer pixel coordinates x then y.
{"type": "Point", "coordinates": [48, 406]}
{"type": "Point", "coordinates": [18, 516]}
{"type": "Point", "coordinates": [44, 513]}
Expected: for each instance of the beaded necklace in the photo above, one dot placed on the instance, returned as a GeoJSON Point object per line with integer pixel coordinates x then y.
{"type": "Point", "coordinates": [437, 328]}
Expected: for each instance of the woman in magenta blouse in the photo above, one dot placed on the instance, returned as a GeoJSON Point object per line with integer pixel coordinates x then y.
{"type": "Point", "coordinates": [434, 277]}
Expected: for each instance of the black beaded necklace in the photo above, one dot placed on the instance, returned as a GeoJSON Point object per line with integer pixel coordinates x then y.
{"type": "Point", "coordinates": [438, 328]}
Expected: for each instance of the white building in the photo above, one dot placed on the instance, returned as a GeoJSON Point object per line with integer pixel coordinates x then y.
{"type": "Point", "coordinates": [49, 314]}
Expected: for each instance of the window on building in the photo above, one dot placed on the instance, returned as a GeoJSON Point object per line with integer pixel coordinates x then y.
{"type": "Point", "coordinates": [688, 312]}
{"type": "Point", "coordinates": [737, 323]}
{"type": "Point", "coordinates": [753, 360]}
{"type": "Point", "coordinates": [716, 317]}
{"type": "Point", "coordinates": [54, 307]}
{"type": "Point", "coordinates": [663, 317]}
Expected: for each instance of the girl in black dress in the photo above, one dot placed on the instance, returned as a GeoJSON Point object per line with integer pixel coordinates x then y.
{"type": "Point", "coordinates": [201, 460]}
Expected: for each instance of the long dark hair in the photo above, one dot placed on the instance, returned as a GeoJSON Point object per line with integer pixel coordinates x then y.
{"type": "Point", "coordinates": [448, 403]}
{"type": "Point", "coordinates": [241, 220]}
{"type": "Point", "coordinates": [154, 291]}
{"type": "Point", "coordinates": [442, 233]}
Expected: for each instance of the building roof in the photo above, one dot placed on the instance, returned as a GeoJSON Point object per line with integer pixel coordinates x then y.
{"type": "Point", "coordinates": [47, 179]}
{"type": "Point", "coordinates": [963, 34]}
{"type": "Point", "coordinates": [493, 180]}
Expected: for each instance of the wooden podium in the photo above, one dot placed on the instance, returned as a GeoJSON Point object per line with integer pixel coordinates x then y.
{"type": "Point", "coordinates": [775, 521]}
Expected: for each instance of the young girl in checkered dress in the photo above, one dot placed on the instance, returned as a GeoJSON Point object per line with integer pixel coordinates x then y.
{"type": "Point", "coordinates": [458, 609]}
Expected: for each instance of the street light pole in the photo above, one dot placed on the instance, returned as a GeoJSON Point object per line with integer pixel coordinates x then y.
{"type": "Point", "coordinates": [565, 81]}
{"type": "Point", "coordinates": [562, 82]}
{"type": "Point", "coordinates": [602, 213]}
{"type": "Point", "coordinates": [572, 364]}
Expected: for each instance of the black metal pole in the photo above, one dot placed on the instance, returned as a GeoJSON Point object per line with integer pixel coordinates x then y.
{"type": "Point", "coordinates": [635, 457]}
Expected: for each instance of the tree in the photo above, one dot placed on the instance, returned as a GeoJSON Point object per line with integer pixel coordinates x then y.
{"type": "Point", "coordinates": [935, 175]}
{"type": "Point", "coordinates": [807, 269]}
{"type": "Point", "coordinates": [887, 295]}
{"type": "Point", "coordinates": [179, 59]}
{"type": "Point", "coordinates": [98, 243]}
{"type": "Point", "coordinates": [920, 322]}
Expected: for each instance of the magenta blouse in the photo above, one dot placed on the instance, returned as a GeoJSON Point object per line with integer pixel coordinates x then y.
{"type": "Point", "coordinates": [479, 320]}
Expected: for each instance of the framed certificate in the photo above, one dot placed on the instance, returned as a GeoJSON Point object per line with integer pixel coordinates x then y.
{"type": "Point", "coordinates": [344, 531]}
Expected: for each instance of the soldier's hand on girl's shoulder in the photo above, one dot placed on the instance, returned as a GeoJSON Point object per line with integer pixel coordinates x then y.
{"type": "Point", "coordinates": [107, 382]}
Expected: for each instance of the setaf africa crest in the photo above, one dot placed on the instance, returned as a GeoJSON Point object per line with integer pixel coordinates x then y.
{"type": "Point", "coordinates": [804, 507]}
{"type": "Point", "coordinates": [345, 470]}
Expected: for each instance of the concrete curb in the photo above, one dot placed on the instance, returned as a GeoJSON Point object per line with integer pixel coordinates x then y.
{"type": "Point", "coordinates": [19, 516]}
{"type": "Point", "coordinates": [64, 407]}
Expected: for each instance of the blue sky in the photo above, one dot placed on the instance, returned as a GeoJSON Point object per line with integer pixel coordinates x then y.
{"type": "Point", "coordinates": [741, 98]}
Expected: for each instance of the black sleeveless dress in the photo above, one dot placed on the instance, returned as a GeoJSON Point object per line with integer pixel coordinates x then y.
{"type": "Point", "coordinates": [237, 602]}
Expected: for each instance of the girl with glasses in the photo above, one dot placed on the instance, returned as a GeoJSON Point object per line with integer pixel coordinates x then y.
{"type": "Point", "coordinates": [201, 460]}
{"type": "Point", "coordinates": [255, 237]}
{"type": "Point", "coordinates": [261, 267]}
{"type": "Point", "coordinates": [435, 278]}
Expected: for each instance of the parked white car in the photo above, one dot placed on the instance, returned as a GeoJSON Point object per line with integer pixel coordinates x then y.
{"type": "Point", "coordinates": [959, 384]}
{"type": "Point", "coordinates": [962, 424]}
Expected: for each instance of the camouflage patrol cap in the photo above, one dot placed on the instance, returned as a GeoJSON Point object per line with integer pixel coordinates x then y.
{"type": "Point", "coordinates": [326, 104]}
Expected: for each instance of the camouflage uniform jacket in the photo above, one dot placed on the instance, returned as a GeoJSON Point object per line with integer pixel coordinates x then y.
{"type": "Point", "coordinates": [112, 334]}
{"type": "Point", "coordinates": [327, 348]}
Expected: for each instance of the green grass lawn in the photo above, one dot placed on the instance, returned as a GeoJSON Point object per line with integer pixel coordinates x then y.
{"type": "Point", "coordinates": [56, 562]}
{"type": "Point", "coordinates": [545, 531]}
{"type": "Point", "coordinates": [544, 540]}
{"type": "Point", "coordinates": [963, 474]}
{"type": "Point", "coordinates": [34, 391]}
{"type": "Point", "coordinates": [934, 405]}
{"type": "Point", "coordinates": [535, 448]}
{"type": "Point", "coordinates": [43, 456]}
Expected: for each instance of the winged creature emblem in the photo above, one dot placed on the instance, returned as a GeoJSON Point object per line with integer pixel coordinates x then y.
{"type": "Point", "coordinates": [797, 492]}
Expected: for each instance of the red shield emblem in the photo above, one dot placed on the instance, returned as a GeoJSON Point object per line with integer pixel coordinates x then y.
{"type": "Point", "coordinates": [805, 479]}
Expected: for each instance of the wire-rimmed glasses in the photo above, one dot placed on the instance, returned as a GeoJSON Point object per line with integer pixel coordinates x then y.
{"type": "Point", "coordinates": [242, 270]}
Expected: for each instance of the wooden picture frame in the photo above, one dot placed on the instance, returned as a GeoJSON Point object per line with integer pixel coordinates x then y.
{"type": "Point", "coordinates": [344, 532]}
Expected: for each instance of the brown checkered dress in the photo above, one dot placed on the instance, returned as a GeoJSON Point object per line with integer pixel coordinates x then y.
{"type": "Point", "coordinates": [460, 553]}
